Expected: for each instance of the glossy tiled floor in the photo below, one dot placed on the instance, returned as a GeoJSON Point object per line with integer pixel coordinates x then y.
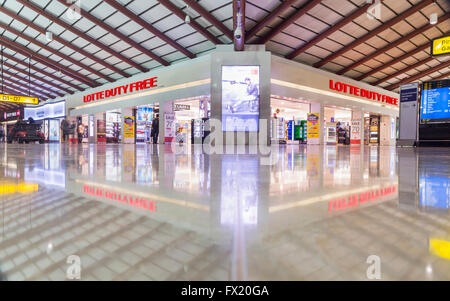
{"type": "Point", "coordinates": [146, 213]}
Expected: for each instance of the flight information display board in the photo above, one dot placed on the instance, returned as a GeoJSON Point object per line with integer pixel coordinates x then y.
{"type": "Point", "coordinates": [435, 102]}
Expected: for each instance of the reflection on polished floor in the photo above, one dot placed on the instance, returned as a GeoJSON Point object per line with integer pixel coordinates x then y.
{"type": "Point", "coordinates": [143, 212]}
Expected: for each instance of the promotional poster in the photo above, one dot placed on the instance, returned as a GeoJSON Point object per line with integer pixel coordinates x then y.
{"type": "Point", "coordinates": [240, 98]}
{"type": "Point", "coordinates": [128, 123]}
{"type": "Point", "coordinates": [313, 125]}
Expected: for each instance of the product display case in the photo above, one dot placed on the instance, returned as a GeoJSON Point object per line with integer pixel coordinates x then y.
{"type": "Point", "coordinates": [331, 133]}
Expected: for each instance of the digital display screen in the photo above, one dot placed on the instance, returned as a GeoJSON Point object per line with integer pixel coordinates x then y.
{"type": "Point", "coordinates": [240, 98]}
{"type": "Point", "coordinates": [435, 102]}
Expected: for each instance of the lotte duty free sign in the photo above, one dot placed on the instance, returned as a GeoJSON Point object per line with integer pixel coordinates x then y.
{"type": "Point", "coordinates": [19, 99]}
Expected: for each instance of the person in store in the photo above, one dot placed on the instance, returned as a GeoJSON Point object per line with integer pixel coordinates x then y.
{"type": "Point", "coordinates": [155, 129]}
{"type": "Point", "coordinates": [80, 132]}
{"type": "Point", "coordinates": [65, 130]}
{"type": "Point", "coordinates": [2, 134]}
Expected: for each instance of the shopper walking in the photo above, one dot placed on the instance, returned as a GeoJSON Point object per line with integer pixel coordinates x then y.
{"type": "Point", "coordinates": [80, 132]}
{"type": "Point", "coordinates": [2, 134]}
{"type": "Point", "coordinates": [155, 129]}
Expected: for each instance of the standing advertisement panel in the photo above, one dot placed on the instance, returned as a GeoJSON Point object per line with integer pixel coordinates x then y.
{"type": "Point", "coordinates": [240, 98]}
{"type": "Point", "coordinates": [355, 134]}
{"type": "Point", "coordinates": [128, 127]}
{"type": "Point", "coordinates": [169, 125]}
{"type": "Point", "coordinates": [313, 125]}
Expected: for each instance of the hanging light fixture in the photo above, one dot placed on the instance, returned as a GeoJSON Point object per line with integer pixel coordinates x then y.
{"type": "Point", "coordinates": [433, 18]}
{"type": "Point", "coordinates": [187, 19]}
{"type": "Point", "coordinates": [49, 36]}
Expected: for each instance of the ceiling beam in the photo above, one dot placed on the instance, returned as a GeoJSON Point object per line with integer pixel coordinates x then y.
{"type": "Point", "coordinates": [445, 75]}
{"type": "Point", "coordinates": [54, 51]}
{"type": "Point", "coordinates": [149, 27]}
{"type": "Point", "coordinates": [344, 21]}
{"type": "Point", "coordinates": [81, 34]}
{"type": "Point", "coordinates": [419, 75]}
{"type": "Point", "coordinates": [118, 34]}
{"type": "Point", "coordinates": [280, 9]}
{"type": "Point", "coordinates": [70, 84]}
{"type": "Point", "coordinates": [63, 42]}
{"type": "Point", "coordinates": [182, 15]}
{"type": "Point", "coordinates": [33, 83]}
{"type": "Point", "coordinates": [23, 90]}
{"type": "Point", "coordinates": [239, 24]}
{"type": "Point", "coordinates": [21, 71]}
{"type": "Point", "coordinates": [392, 44]}
{"type": "Point", "coordinates": [374, 32]}
{"type": "Point", "coordinates": [45, 61]}
{"type": "Point", "coordinates": [289, 21]}
{"type": "Point", "coordinates": [403, 71]}
{"type": "Point", "coordinates": [394, 61]}
{"type": "Point", "coordinates": [209, 17]}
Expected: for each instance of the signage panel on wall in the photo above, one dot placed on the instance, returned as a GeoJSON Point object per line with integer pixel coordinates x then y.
{"type": "Point", "coordinates": [435, 102]}
{"type": "Point", "coordinates": [313, 125]}
{"type": "Point", "coordinates": [12, 115]}
{"type": "Point", "coordinates": [240, 98]}
{"type": "Point", "coordinates": [440, 46]}
{"type": "Point", "coordinates": [408, 111]}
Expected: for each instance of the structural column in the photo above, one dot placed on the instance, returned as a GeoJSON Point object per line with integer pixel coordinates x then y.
{"type": "Point", "coordinates": [387, 130]}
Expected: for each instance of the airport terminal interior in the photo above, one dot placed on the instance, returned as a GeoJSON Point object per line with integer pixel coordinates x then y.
{"type": "Point", "coordinates": [225, 140]}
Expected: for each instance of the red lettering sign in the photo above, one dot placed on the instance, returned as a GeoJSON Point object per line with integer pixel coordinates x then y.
{"type": "Point", "coordinates": [371, 95]}
{"type": "Point", "coordinates": [133, 87]}
{"type": "Point", "coordinates": [354, 200]}
{"type": "Point", "coordinates": [135, 202]}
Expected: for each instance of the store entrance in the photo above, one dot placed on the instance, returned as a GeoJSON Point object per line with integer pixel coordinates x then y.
{"type": "Point", "coordinates": [188, 120]}
{"type": "Point", "coordinates": [288, 122]}
{"type": "Point", "coordinates": [337, 125]}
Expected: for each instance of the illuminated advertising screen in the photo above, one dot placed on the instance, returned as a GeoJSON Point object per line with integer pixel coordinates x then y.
{"type": "Point", "coordinates": [46, 111]}
{"type": "Point", "coordinates": [240, 98]}
{"type": "Point", "coordinates": [435, 102]}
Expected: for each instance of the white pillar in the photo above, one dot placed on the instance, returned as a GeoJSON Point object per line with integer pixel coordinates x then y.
{"type": "Point", "coordinates": [387, 130]}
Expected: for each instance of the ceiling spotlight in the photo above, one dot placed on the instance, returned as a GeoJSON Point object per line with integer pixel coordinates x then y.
{"type": "Point", "coordinates": [433, 18]}
{"type": "Point", "coordinates": [49, 36]}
